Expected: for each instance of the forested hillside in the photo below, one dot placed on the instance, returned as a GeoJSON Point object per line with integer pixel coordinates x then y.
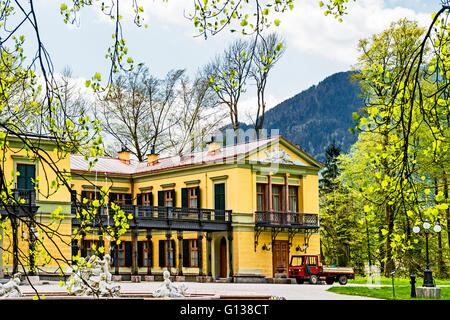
{"type": "Point", "coordinates": [317, 116]}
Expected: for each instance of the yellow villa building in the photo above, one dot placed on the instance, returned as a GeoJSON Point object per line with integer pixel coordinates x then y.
{"type": "Point", "coordinates": [230, 213]}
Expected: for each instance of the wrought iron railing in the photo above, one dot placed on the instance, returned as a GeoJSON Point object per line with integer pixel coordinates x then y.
{"type": "Point", "coordinates": [158, 212]}
{"type": "Point", "coordinates": [22, 197]}
{"type": "Point", "coordinates": [183, 213]}
{"type": "Point", "coordinates": [293, 219]}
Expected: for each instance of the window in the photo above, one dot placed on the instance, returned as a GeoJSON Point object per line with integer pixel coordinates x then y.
{"type": "Point", "coordinates": [190, 253]}
{"type": "Point", "coordinates": [293, 192]}
{"type": "Point", "coordinates": [219, 196]}
{"type": "Point", "coordinates": [147, 199]}
{"type": "Point", "coordinates": [276, 198]}
{"type": "Point", "coordinates": [297, 261]}
{"type": "Point", "coordinates": [261, 197]}
{"type": "Point", "coordinates": [26, 175]}
{"type": "Point", "coordinates": [120, 198]}
{"type": "Point", "coordinates": [89, 247]}
{"type": "Point", "coordinates": [311, 261]}
{"type": "Point", "coordinates": [168, 198]}
{"type": "Point", "coordinates": [117, 198]}
{"type": "Point", "coordinates": [193, 253]}
{"type": "Point", "coordinates": [166, 253]}
{"type": "Point", "coordinates": [121, 255]}
{"type": "Point", "coordinates": [192, 198]}
{"type": "Point", "coordinates": [90, 195]}
{"type": "Point", "coordinates": [145, 249]}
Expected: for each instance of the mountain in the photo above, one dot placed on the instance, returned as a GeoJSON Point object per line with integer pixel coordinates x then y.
{"type": "Point", "coordinates": [315, 117]}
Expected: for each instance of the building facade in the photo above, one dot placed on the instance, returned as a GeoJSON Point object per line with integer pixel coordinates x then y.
{"type": "Point", "coordinates": [237, 211]}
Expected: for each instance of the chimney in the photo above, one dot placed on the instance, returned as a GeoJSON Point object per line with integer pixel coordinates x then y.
{"type": "Point", "coordinates": [124, 155]}
{"type": "Point", "coordinates": [213, 146]}
{"type": "Point", "coordinates": [152, 158]}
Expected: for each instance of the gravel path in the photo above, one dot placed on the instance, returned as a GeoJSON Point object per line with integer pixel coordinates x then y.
{"type": "Point", "coordinates": [289, 291]}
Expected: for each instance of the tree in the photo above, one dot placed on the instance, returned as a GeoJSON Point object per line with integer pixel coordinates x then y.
{"type": "Point", "coordinates": [82, 135]}
{"type": "Point", "coordinates": [228, 75]}
{"type": "Point", "coordinates": [197, 114]}
{"type": "Point", "coordinates": [268, 51]}
{"type": "Point", "coordinates": [390, 53]}
{"type": "Point", "coordinates": [136, 111]}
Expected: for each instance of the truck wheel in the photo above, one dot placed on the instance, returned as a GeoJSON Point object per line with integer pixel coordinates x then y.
{"type": "Point", "coordinates": [299, 280]}
{"type": "Point", "coordinates": [343, 280]}
{"type": "Point", "coordinates": [329, 280]}
{"type": "Point", "coordinates": [313, 279]}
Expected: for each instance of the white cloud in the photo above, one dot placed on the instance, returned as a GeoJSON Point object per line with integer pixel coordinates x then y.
{"type": "Point", "coordinates": [308, 30]}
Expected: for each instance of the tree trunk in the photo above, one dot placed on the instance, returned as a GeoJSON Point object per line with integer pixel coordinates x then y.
{"type": "Point", "coordinates": [444, 180]}
{"type": "Point", "coordinates": [441, 264]}
{"type": "Point", "coordinates": [390, 225]}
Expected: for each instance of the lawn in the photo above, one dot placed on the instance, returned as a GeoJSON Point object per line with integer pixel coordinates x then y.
{"type": "Point", "coordinates": [402, 292]}
{"type": "Point", "coordinates": [397, 281]}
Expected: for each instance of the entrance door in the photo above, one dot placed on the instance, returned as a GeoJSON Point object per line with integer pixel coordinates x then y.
{"type": "Point", "coordinates": [223, 258]}
{"type": "Point", "coordinates": [280, 255]}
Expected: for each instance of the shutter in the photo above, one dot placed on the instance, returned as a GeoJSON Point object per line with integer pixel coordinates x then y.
{"type": "Point", "coordinates": [186, 253]}
{"type": "Point", "coordinates": [101, 243]}
{"type": "Point", "coordinates": [161, 198]}
{"type": "Point", "coordinates": [184, 198]}
{"type": "Point", "coordinates": [139, 199]}
{"type": "Point", "coordinates": [219, 196]}
{"type": "Point", "coordinates": [140, 253]}
{"type": "Point", "coordinates": [161, 253]}
{"type": "Point", "coordinates": [73, 196]}
{"type": "Point", "coordinates": [174, 250]}
{"type": "Point", "coordinates": [150, 248]}
{"type": "Point", "coordinates": [199, 203]}
{"type": "Point", "coordinates": [173, 198]}
{"type": "Point", "coordinates": [74, 249]}
{"type": "Point", "coordinates": [27, 172]}
{"type": "Point", "coordinates": [128, 254]}
{"type": "Point", "coordinates": [112, 253]}
{"type": "Point", "coordinates": [128, 199]}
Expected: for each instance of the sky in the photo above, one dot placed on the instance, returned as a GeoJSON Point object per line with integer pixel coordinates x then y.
{"type": "Point", "coordinates": [316, 45]}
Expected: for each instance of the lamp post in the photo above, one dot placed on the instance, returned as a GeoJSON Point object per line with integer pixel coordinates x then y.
{"type": "Point", "coordinates": [427, 274]}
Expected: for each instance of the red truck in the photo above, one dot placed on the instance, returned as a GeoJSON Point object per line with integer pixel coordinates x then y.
{"type": "Point", "coordinates": [309, 267]}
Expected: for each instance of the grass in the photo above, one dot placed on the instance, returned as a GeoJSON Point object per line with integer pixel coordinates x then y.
{"type": "Point", "coordinates": [402, 292]}
{"type": "Point", "coordinates": [397, 281]}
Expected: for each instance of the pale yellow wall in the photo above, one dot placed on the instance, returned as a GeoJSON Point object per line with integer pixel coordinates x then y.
{"type": "Point", "coordinates": [310, 197]}
{"type": "Point", "coordinates": [13, 156]}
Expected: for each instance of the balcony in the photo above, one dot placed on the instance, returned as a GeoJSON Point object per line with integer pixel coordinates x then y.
{"type": "Point", "coordinates": [286, 219]}
{"type": "Point", "coordinates": [22, 203]}
{"type": "Point", "coordinates": [156, 217]}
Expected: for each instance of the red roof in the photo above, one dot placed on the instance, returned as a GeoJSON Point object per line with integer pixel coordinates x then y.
{"type": "Point", "coordinates": [116, 166]}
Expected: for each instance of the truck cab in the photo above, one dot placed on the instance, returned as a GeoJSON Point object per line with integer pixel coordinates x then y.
{"type": "Point", "coordinates": [310, 268]}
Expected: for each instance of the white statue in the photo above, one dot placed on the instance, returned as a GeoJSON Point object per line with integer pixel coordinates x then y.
{"type": "Point", "coordinates": [168, 289]}
{"type": "Point", "coordinates": [92, 278]}
{"type": "Point", "coordinates": [11, 288]}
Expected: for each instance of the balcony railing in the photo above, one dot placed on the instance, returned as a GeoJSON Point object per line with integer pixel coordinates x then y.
{"type": "Point", "coordinates": [21, 201]}
{"type": "Point", "coordinates": [289, 219]}
{"type": "Point", "coordinates": [22, 197]}
{"type": "Point", "coordinates": [158, 212]}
